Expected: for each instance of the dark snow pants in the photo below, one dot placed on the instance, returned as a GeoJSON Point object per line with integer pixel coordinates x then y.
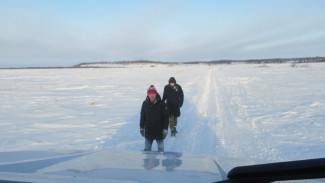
{"type": "Point", "coordinates": [172, 122]}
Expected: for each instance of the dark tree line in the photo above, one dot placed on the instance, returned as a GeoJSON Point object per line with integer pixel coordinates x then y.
{"type": "Point", "coordinates": [249, 61]}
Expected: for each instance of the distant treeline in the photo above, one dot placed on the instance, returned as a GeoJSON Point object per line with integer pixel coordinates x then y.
{"type": "Point", "coordinates": [38, 68]}
{"type": "Point", "coordinates": [124, 62]}
{"type": "Point", "coordinates": [249, 61]}
{"type": "Point", "coordinates": [265, 61]}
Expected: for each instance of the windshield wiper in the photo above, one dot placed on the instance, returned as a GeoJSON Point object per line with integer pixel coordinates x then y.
{"type": "Point", "coordinates": [291, 170]}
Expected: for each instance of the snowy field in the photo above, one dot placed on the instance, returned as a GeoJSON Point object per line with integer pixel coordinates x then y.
{"type": "Point", "coordinates": [272, 112]}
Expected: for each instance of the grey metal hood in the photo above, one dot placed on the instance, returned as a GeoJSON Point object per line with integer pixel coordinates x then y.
{"type": "Point", "coordinates": [114, 166]}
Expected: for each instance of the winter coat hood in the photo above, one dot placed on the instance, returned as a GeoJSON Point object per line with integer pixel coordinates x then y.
{"type": "Point", "coordinates": [172, 80]}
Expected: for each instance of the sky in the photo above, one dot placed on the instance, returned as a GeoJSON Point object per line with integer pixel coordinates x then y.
{"type": "Point", "coordinates": [37, 33]}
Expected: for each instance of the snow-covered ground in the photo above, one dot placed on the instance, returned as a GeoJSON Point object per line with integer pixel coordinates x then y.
{"type": "Point", "coordinates": [272, 112]}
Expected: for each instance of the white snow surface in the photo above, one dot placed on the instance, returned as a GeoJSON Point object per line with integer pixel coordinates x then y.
{"type": "Point", "coordinates": [272, 112]}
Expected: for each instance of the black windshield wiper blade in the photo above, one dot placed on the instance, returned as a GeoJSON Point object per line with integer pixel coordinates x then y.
{"type": "Point", "coordinates": [291, 170]}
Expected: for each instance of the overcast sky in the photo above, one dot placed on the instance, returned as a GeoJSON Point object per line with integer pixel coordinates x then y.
{"type": "Point", "coordinates": [68, 32]}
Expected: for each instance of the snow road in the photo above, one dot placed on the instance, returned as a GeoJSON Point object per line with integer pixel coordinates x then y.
{"type": "Point", "coordinates": [217, 121]}
{"type": "Point", "coordinates": [270, 112]}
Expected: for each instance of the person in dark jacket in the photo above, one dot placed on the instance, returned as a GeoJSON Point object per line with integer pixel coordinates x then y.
{"type": "Point", "coordinates": [174, 95]}
{"type": "Point", "coordinates": [153, 120]}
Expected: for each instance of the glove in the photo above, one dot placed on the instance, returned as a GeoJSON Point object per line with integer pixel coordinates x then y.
{"type": "Point", "coordinates": [164, 133]}
{"type": "Point", "coordinates": [142, 132]}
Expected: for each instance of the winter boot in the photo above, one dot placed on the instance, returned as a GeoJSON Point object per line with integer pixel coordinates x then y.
{"type": "Point", "coordinates": [173, 133]}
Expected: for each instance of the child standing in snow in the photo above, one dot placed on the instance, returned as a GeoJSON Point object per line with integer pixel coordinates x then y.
{"type": "Point", "coordinates": [174, 95]}
{"type": "Point", "coordinates": [153, 120]}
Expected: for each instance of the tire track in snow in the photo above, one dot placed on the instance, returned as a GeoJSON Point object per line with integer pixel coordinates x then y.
{"type": "Point", "coordinates": [233, 129]}
{"type": "Point", "coordinates": [196, 127]}
{"type": "Point", "coordinates": [214, 119]}
{"type": "Point", "coordinates": [238, 136]}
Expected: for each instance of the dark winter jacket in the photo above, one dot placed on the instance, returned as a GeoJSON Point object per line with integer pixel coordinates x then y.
{"type": "Point", "coordinates": [154, 118]}
{"type": "Point", "coordinates": [175, 97]}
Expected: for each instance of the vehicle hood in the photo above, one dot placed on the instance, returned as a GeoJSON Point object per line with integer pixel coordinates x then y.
{"type": "Point", "coordinates": [115, 166]}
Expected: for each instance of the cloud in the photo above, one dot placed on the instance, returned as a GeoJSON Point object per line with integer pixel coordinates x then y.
{"type": "Point", "coordinates": [167, 31]}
